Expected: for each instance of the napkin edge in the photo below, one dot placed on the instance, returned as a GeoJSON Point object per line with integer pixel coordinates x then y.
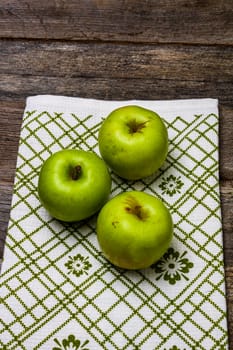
{"type": "Point", "coordinates": [63, 101]}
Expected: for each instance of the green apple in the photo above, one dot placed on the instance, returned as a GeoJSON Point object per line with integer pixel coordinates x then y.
{"type": "Point", "coordinates": [73, 184]}
{"type": "Point", "coordinates": [133, 141]}
{"type": "Point", "coordinates": [134, 230]}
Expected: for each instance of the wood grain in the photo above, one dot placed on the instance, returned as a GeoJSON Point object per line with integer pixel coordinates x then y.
{"type": "Point", "coordinates": [108, 60]}
{"type": "Point", "coordinates": [10, 123]}
{"type": "Point", "coordinates": [180, 21]}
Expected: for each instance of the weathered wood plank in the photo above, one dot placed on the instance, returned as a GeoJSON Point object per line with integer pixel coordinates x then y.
{"type": "Point", "coordinates": [10, 123]}
{"type": "Point", "coordinates": [226, 192]}
{"type": "Point", "coordinates": [151, 21]}
{"type": "Point", "coordinates": [101, 70]}
{"type": "Point", "coordinates": [20, 86]}
{"type": "Point", "coordinates": [226, 144]}
{"type": "Point", "coordinates": [229, 297]}
{"type": "Point", "coordinates": [107, 60]}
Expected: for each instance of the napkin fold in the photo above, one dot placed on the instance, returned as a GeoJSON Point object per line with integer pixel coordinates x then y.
{"type": "Point", "coordinates": [58, 291]}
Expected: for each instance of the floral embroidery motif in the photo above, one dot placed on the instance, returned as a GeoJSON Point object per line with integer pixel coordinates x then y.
{"type": "Point", "coordinates": [171, 185]}
{"type": "Point", "coordinates": [173, 266]}
{"type": "Point", "coordinates": [71, 343]}
{"type": "Point", "coordinates": [78, 265]}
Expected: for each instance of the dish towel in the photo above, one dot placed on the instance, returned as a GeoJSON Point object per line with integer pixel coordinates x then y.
{"type": "Point", "coordinates": [57, 290]}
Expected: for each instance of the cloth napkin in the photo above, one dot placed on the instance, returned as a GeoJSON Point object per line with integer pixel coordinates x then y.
{"type": "Point", "coordinates": [57, 290]}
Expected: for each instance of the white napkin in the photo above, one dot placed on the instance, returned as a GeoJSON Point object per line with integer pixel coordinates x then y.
{"type": "Point", "coordinates": [58, 291]}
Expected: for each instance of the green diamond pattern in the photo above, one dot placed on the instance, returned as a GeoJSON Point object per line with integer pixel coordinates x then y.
{"type": "Point", "coordinates": [50, 302]}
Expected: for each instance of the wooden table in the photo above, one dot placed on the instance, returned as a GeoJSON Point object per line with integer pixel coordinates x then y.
{"type": "Point", "coordinates": [115, 49]}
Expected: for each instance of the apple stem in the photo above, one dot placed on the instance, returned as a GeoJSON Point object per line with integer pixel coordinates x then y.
{"type": "Point", "coordinates": [76, 172]}
{"type": "Point", "coordinates": [135, 126]}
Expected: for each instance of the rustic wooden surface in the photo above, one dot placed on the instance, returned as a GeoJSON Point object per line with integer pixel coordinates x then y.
{"type": "Point", "coordinates": [107, 49]}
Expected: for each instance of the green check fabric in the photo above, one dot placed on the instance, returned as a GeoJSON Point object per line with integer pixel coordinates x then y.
{"type": "Point", "coordinates": [57, 290]}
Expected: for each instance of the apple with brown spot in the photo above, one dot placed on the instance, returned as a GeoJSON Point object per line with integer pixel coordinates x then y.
{"type": "Point", "coordinates": [134, 230]}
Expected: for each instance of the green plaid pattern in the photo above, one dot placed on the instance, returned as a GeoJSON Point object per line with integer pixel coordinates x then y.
{"type": "Point", "coordinates": [57, 290]}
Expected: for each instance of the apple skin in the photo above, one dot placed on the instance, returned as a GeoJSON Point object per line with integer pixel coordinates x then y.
{"type": "Point", "coordinates": [70, 193]}
{"type": "Point", "coordinates": [133, 141]}
{"type": "Point", "coordinates": [134, 230]}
